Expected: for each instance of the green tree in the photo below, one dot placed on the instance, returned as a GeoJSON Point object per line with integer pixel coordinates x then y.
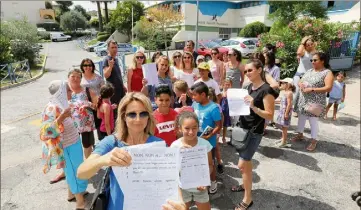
{"type": "Point", "coordinates": [253, 29]}
{"type": "Point", "coordinates": [288, 11]}
{"type": "Point", "coordinates": [64, 6]}
{"type": "Point", "coordinates": [100, 16]}
{"type": "Point", "coordinates": [72, 20]}
{"type": "Point", "coordinates": [106, 11]}
{"type": "Point", "coordinates": [48, 5]}
{"type": "Point", "coordinates": [82, 11]}
{"type": "Point", "coordinates": [121, 18]}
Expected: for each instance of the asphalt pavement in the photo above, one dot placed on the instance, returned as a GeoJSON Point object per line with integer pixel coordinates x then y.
{"type": "Point", "coordinates": [290, 178]}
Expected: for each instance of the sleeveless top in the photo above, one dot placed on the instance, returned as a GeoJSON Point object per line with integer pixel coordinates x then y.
{"type": "Point", "coordinates": [93, 84]}
{"type": "Point", "coordinates": [102, 117]}
{"type": "Point", "coordinates": [235, 75]}
{"type": "Point", "coordinates": [215, 71]}
{"type": "Point", "coordinates": [137, 77]}
{"type": "Point", "coordinates": [315, 80]}
{"type": "Point", "coordinates": [305, 63]}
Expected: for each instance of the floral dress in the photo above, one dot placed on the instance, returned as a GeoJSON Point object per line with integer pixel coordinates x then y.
{"type": "Point", "coordinates": [313, 79]}
{"type": "Point", "coordinates": [84, 121]}
{"type": "Point", "coordinates": [281, 115]}
{"type": "Point", "coordinates": [51, 135]}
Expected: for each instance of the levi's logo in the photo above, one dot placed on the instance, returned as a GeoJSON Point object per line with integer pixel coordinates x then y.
{"type": "Point", "coordinates": [165, 126]}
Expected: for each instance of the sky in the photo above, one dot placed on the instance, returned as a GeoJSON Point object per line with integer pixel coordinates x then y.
{"type": "Point", "coordinates": [88, 5]}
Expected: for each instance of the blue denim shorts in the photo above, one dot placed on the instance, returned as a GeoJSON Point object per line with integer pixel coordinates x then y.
{"type": "Point", "coordinates": [334, 100]}
{"type": "Point", "coordinates": [251, 148]}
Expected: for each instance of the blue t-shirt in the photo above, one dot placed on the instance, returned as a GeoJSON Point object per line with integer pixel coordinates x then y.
{"type": "Point", "coordinates": [116, 199]}
{"type": "Point", "coordinates": [208, 115]}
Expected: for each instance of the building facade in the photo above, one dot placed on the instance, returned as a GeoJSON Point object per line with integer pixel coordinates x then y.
{"type": "Point", "coordinates": [19, 9]}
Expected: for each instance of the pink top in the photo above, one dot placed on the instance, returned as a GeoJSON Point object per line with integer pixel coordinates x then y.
{"type": "Point", "coordinates": [215, 72]}
{"type": "Point", "coordinates": [102, 117]}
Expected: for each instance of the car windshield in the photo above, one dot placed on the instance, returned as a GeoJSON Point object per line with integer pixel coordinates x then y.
{"type": "Point", "coordinates": [225, 43]}
{"type": "Point", "coordinates": [210, 44]}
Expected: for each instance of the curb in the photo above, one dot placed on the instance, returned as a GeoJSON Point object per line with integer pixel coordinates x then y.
{"type": "Point", "coordinates": [29, 80]}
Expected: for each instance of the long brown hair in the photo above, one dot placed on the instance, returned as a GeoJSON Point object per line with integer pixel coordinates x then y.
{"type": "Point", "coordinates": [134, 61]}
{"type": "Point", "coordinates": [258, 64]}
{"type": "Point", "coordinates": [192, 59]}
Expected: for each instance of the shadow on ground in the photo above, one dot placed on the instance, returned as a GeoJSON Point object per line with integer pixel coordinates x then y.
{"type": "Point", "coordinates": [343, 120]}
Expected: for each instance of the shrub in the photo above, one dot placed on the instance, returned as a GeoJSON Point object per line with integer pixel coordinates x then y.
{"type": "Point", "coordinates": [5, 50]}
{"type": "Point", "coordinates": [103, 38]}
{"type": "Point", "coordinates": [44, 35]}
{"type": "Point", "coordinates": [288, 38]}
{"type": "Point", "coordinates": [253, 29]}
{"type": "Point", "coordinates": [72, 20]}
{"type": "Point", "coordinates": [102, 33]}
{"type": "Point", "coordinates": [23, 49]}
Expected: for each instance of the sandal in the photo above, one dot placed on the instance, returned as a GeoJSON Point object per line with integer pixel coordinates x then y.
{"type": "Point", "coordinates": [243, 206]}
{"type": "Point", "coordinates": [297, 138]}
{"type": "Point", "coordinates": [57, 179]}
{"type": "Point", "coordinates": [74, 199]}
{"type": "Point", "coordinates": [312, 146]}
{"type": "Point", "coordinates": [238, 188]}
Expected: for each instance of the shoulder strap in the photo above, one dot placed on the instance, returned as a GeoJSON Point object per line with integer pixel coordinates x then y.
{"type": "Point", "coordinates": [255, 127]}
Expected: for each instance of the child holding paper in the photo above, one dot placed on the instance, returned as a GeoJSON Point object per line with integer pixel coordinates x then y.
{"type": "Point", "coordinates": [188, 124]}
{"type": "Point", "coordinates": [164, 115]}
{"type": "Point", "coordinates": [209, 116]}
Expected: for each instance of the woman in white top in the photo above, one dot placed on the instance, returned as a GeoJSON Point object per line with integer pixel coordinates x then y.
{"type": "Point", "coordinates": [305, 52]}
{"type": "Point", "coordinates": [188, 72]}
{"type": "Point", "coordinates": [177, 64]}
{"type": "Point", "coordinates": [216, 67]}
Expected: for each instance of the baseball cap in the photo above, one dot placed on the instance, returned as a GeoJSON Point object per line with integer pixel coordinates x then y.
{"type": "Point", "coordinates": [204, 66]}
{"type": "Point", "coordinates": [287, 80]}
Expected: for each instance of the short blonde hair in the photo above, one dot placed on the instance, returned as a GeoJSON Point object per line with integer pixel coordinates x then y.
{"type": "Point", "coordinates": [181, 85]}
{"type": "Point", "coordinates": [121, 126]}
{"type": "Point", "coordinates": [135, 59]}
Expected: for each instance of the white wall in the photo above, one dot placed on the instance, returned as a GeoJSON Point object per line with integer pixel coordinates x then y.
{"type": "Point", "coordinates": [18, 9]}
{"type": "Point", "coordinates": [187, 35]}
{"type": "Point", "coordinates": [346, 17]}
{"type": "Point", "coordinates": [253, 14]}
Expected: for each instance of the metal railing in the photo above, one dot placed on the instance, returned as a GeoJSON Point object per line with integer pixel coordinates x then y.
{"type": "Point", "coordinates": [346, 48]}
{"type": "Point", "coordinates": [15, 71]}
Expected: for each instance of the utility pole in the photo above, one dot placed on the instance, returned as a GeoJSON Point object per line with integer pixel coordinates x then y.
{"type": "Point", "coordinates": [132, 23]}
{"type": "Point", "coordinates": [197, 25]}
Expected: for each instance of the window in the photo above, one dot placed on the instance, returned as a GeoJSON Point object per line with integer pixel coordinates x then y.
{"type": "Point", "coordinates": [225, 33]}
{"type": "Point", "coordinates": [330, 4]}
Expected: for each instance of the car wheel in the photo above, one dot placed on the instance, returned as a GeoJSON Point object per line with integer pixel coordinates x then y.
{"type": "Point", "coordinates": [54, 40]}
{"type": "Point", "coordinates": [208, 58]}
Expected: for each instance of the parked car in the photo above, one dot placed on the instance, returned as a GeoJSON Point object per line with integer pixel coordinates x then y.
{"type": "Point", "coordinates": [59, 37]}
{"type": "Point", "coordinates": [205, 48]}
{"type": "Point", "coordinates": [122, 48]}
{"type": "Point", "coordinates": [100, 47]}
{"type": "Point", "coordinates": [246, 46]}
{"type": "Point", "coordinates": [90, 48]}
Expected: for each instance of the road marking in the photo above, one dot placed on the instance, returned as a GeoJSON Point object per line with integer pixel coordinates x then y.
{"type": "Point", "coordinates": [36, 122]}
{"type": "Point", "coordinates": [23, 118]}
{"type": "Point", "coordinates": [6, 128]}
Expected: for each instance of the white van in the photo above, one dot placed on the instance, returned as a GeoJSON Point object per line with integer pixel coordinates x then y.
{"type": "Point", "coordinates": [59, 37]}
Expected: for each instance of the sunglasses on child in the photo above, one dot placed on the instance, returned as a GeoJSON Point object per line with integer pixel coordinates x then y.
{"type": "Point", "coordinates": [133, 115]}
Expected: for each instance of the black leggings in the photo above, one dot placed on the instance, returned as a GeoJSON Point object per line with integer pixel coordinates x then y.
{"type": "Point", "coordinates": [87, 139]}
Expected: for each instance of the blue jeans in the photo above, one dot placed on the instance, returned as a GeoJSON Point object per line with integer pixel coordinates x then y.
{"type": "Point", "coordinates": [248, 152]}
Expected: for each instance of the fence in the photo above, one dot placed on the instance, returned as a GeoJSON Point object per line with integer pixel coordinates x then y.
{"type": "Point", "coordinates": [15, 71]}
{"type": "Point", "coordinates": [342, 54]}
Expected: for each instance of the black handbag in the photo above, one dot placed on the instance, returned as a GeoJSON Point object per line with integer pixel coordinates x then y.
{"type": "Point", "coordinates": [102, 193]}
{"type": "Point", "coordinates": [241, 137]}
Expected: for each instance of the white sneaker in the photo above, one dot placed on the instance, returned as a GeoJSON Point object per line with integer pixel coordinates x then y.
{"type": "Point", "coordinates": [213, 187]}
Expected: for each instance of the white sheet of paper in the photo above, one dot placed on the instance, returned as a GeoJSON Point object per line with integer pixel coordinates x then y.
{"type": "Point", "coordinates": [151, 179]}
{"type": "Point", "coordinates": [236, 103]}
{"type": "Point", "coordinates": [150, 73]}
{"type": "Point", "coordinates": [194, 167]}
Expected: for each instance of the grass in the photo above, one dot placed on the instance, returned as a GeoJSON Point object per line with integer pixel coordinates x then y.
{"type": "Point", "coordinates": [93, 41]}
{"type": "Point", "coordinates": [35, 71]}
{"type": "Point", "coordinates": [44, 41]}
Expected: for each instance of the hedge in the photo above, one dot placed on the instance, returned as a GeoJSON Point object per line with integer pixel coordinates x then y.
{"type": "Point", "coordinates": [102, 33]}
{"type": "Point", "coordinates": [103, 38]}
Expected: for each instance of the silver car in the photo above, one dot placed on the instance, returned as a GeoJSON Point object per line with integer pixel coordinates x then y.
{"type": "Point", "coordinates": [246, 46]}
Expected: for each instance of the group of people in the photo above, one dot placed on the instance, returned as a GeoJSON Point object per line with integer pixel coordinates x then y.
{"type": "Point", "coordinates": [188, 108]}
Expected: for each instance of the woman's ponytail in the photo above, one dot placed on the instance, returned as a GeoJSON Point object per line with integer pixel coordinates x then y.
{"type": "Point", "coordinates": [100, 101]}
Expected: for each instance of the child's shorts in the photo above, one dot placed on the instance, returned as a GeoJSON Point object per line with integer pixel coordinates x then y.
{"type": "Point", "coordinates": [334, 100]}
{"type": "Point", "coordinates": [199, 196]}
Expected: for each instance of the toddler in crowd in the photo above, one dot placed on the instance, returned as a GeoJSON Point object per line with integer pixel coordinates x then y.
{"type": "Point", "coordinates": [337, 94]}
{"type": "Point", "coordinates": [285, 113]}
{"type": "Point", "coordinates": [188, 124]}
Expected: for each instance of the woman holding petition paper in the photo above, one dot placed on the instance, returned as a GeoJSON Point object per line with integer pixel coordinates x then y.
{"type": "Point", "coordinates": [163, 78]}
{"type": "Point", "coordinates": [261, 102]}
{"type": "Point", "coordinates": [61, 141]}
{"type": "Point", "coordinates": [135, 74]}
{"type": "Point", "coordinates": [135, 125]}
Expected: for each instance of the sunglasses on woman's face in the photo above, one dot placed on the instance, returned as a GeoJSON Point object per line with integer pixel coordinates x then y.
{"type": "Point", "coordinates": [87, 65]}
{"type": "Point", "coordinates": [214, 53]}
{"type": "Point", "coordinates": [139, 57]}
{"type": "Point", "coordinates": [133, 115]}
{"type": "Point", "coordinates": [177, 56]}
{"type": "Point", "coordinates": [229, 55]}
{"type": "Point", "coordinates": [186, 57]}
{"type": "Point", "coordinates": [313, 60]}
{"type": "Point", "coordinates": [248, 70]}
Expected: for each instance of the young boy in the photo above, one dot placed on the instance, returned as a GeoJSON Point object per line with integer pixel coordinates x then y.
{"type": "Point", "coordinates": [180, 89]}
{"type": "Point", "coordinates": [209, 115]}
{"type": "Point", "coordinates": [204, 71]}
{"type": "Point", "coordinates": [164, 115]}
